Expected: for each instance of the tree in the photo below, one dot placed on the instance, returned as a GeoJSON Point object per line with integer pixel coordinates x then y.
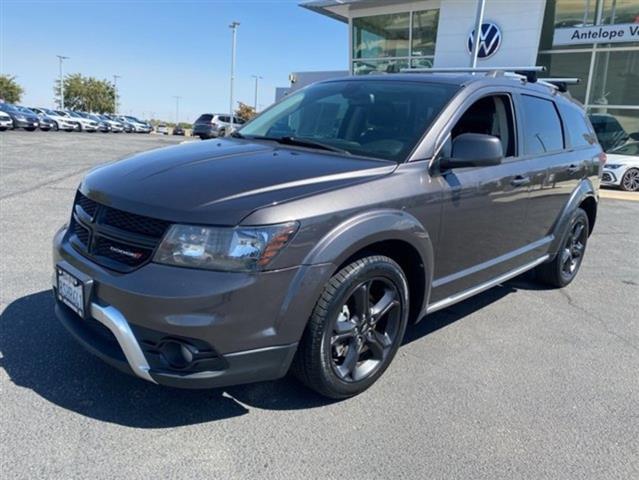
{"type": "Point", "coordinates": [10, 90]}
{"type": "Point", "coordinates": [244, 111]}
{"type": "Point", "coordinates": [87, 94]}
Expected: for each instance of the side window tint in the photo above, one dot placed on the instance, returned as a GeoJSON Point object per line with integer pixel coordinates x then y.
{"type": "Point", "coordinates": [542, 132]}
{"type": "Point", "coordinates": [577, 125]}
{"type": "Point", "coordinates": [491, 116]}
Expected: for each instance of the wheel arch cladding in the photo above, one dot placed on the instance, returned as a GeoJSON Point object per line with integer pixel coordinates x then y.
{"type": "Point", "coordinates": [583, 196]}
{"type": "Point", "coordinates": [393, 233]}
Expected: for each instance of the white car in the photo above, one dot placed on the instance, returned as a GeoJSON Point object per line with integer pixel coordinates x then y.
{"type": "Point", "coordinates": [116, 127]}
{"type": "Point", "coordinates": [61, 122]}
{"type": "Point", "coordinates": [5, 121]}
{"type": "Point", "coordinates": [162, 129]}
{"type": "Point", "coordinates": [622, 167]}
{"type": "Point", "coordinates": [139, 126]}
{"type": "Point", "coordinates": [86, 124]}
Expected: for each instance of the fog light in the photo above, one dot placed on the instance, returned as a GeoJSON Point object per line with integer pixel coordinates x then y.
{"type": "Point", "coordinates": [177, 354]}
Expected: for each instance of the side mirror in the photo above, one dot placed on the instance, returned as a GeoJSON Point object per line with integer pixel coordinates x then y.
{"type": "Point", "coordinates": [634, 135]}
{"type": "Point", "coordinates": [473, 150]}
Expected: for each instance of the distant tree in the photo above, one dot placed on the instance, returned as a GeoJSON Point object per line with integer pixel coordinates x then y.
{"type": "Point", "coordinates": [87, 94]}
{"type": "Point", "coordinates": [10, 90]}
{"type": "Point", "coordinates": [244, 111]}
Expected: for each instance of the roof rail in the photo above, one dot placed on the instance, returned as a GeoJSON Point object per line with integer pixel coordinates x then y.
{"type": "Point", "coordinates": [529, 73]}
{"type": "Point", "coordinates": [560, 84]}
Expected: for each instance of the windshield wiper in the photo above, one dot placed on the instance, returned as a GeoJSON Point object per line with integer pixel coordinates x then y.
{"type": "Point", "coordinates": [302, 142]}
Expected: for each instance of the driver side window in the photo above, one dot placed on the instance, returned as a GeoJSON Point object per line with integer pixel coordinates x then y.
{"type": "Point", "coordinates": [492, 115]}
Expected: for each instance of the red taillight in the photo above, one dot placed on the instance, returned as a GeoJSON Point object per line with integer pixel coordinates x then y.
{"type": "Point", "coordinates": [603, 158]}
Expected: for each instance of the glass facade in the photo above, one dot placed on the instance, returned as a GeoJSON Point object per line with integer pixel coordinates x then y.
{"type": "Point", "coordinates": [609, 72]}
{"type": "Point", "coordinates": [388, 43]}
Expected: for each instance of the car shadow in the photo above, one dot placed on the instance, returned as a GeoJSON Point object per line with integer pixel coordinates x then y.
{"type": "Point", "coordinates": [38, 353]}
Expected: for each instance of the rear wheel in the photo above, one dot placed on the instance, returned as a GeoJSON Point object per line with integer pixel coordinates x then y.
{"type": "Point", "coordinates": [630, 180]}
{"type": "Point", "coordinates": [355, 329]}
{"type": "Point", "coordinates": [564, 267]}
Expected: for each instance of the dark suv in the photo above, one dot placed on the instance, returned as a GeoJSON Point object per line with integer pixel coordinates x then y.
{"type": "Point", "coordinates": [311, 238]}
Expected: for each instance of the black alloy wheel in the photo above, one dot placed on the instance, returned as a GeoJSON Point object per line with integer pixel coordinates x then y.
{"type": "Point", "coordinates": [356, 328]}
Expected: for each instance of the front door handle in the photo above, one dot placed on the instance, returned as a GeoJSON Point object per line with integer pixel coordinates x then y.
{"type": "Point", "coordinates": [520, 181]}
{"type": "Point", "coordinates": [573, 168]}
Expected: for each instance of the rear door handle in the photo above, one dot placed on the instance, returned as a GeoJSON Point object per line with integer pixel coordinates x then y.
{"type": "Point", "coordinates": [572, 168]}
{"type": "Point", "coordinates": [520, 181]}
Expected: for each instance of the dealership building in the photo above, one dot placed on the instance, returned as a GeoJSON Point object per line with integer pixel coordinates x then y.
{"type": "Point", "coordinates": [596, 41]}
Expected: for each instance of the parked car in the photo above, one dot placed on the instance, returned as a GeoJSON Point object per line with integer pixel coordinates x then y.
{"type": "Point", "coordinates": [103, 126]}
{"type": "Point", "coordinates": [213, 125]}
{"type": "Point", "coordinates": [44, 122]}
{"type": "Point", "coordinates": [127, 126]}
{"type": "Point", "coordinates": [312, 237]}
{"type": "Point", "coordinates": [86, 124]}
{"type": "Point", "coordinates": [69, 118]}
{"type": "Point", "coordinates": [622, 167]}
{"type": "Point", "coordinates": [162, 129]}
{"type": "Point", "coordinates": [610, 132]}
{"type": "Point", "coordinates": [114, 125]}
{"type": "Point", "coordinates": [139, 126]}
{"type": "Point", "coordinates": [20, 118]}
{"type": "Point", "coordinates": [5, 121]}
{"type": "Point", "coordinates": [60, 122]}
{"type": "Point", "coordinates": [177, 130]}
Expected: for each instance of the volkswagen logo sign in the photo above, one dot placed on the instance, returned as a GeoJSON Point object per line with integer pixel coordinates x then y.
{"type": "Point", "coordinates": [489, 40]}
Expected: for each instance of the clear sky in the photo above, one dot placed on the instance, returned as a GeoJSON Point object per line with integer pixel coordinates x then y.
{"type": "Point", "coordinates": [164, 48]}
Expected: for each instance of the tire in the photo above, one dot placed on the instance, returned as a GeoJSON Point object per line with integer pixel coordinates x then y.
{"type": "Point", "coordinates": [56, 127]}
{"type": "Point", "coordinates": [563, 268]}
{"type": "Point", "coordinates": [30, 129]}
{"type": "Point", "coordinates": [630, 180]}
{"type": "Point", "coordinates": [342, 352]}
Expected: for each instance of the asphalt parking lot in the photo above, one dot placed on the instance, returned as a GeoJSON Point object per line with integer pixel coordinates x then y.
{"type": "Point", "coordinates": [519, 382]}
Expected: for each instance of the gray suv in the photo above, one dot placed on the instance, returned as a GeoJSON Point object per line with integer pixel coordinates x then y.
{"type": "Point", "coordinates": [315, 235]}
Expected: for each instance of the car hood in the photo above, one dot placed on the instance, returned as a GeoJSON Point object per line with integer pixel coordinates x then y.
{"type": "Point", "coordinates": [220, 182]}
{"type": "Point", "coordinates": [618, 159]}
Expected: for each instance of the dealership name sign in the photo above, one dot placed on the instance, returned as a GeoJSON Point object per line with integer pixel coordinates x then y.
{"type": "Point", "coordinates": [627, 32]}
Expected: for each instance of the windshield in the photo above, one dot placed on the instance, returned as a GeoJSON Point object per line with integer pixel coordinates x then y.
{"type": "Point", "coordinates": [376, 118]}
{"type": "Point", "coordinates": [6, 107]}
{"type": "Point", "coordinates": [627, 149]}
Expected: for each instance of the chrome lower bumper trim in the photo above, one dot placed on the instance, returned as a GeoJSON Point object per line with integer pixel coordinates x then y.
{"type": "Point", "coordinates": [111, 318]}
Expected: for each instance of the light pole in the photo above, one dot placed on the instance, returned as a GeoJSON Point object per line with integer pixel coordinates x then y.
{"type": "Point", "coordinates": [233, 26]}
{"type": "Point", "coordinates": [257, 79]}
{"type": "Point", "coordinates": [115, 91]}
{"type": "Point", "coordinates": [177, 109]}
{"type": "Point", "coordinates": [479, 20]}
{"type": "Point", "coordinates": [61, 58]}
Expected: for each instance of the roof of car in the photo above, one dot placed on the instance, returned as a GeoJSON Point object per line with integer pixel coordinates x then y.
{"type": "Point", "coordinates": [460, 79]}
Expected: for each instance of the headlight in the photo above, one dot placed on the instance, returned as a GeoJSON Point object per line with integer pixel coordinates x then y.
{"type": "Point", "coordinates": [21, 117]}
{"type": "Point", "coordinates": [612, 166]}
{"type": "Point", "coordinates": [231, 249]}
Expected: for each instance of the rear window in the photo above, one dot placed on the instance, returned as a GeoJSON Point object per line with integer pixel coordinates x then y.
{"type": "Point", "coordinates": [577, 126]}
{"type": "Point", "coordinates": [206, 118]}
{"type": "Point", "coordinates": [543, 132]}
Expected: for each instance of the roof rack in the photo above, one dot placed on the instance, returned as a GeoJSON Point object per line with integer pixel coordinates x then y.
{"type": "Point", "coordinates": [529, 74]}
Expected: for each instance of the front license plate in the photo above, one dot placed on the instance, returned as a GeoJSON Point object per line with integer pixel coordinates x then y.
{"type": "Point", "coordinates": [71, 291]}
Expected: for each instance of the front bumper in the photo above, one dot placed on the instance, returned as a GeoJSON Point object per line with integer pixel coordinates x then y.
{"type": "Point", "coordinates": [243, 327]}
{"type": "Point", "coordinates": [25, 123]}
{"type": "Point", "coordinates": [6, 123]}
{"type": "Point", "coordinates": [611, 177]}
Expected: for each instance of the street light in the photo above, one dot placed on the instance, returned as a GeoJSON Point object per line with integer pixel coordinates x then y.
{"type": "Point", "coordinates": [233, 26]}
{"type": "Point", "coordinates": [115, 91]}
{"type": "Point", "coordinates": [257, 79]}
{"type": "Point", "coordinates": [61, 58]}
{"type": "Point", "coordinates": [177, 109]}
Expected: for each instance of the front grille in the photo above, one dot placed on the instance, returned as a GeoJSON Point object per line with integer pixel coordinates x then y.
{"type": "Point", "coordinates": [135, 223]}
{"type": "Point", "coordinates": [114, 238]}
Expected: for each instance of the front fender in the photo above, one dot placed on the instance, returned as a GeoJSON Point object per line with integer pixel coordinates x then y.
{"type": "Point", "coordinates": [366, 229]}
{"type": "Point", "coordinates": [583, 191]}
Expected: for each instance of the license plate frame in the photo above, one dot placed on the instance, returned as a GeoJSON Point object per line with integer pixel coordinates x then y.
{"type": "Point", "coordinates": [71, 291]}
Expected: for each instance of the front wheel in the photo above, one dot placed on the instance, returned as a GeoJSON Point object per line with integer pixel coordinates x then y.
{"type": "Point", "coordinates": [630, 180]}
{"type": "Point", "coordinates": [562, 269]}
{"type": "Point", "coordinates": [356, 328]}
